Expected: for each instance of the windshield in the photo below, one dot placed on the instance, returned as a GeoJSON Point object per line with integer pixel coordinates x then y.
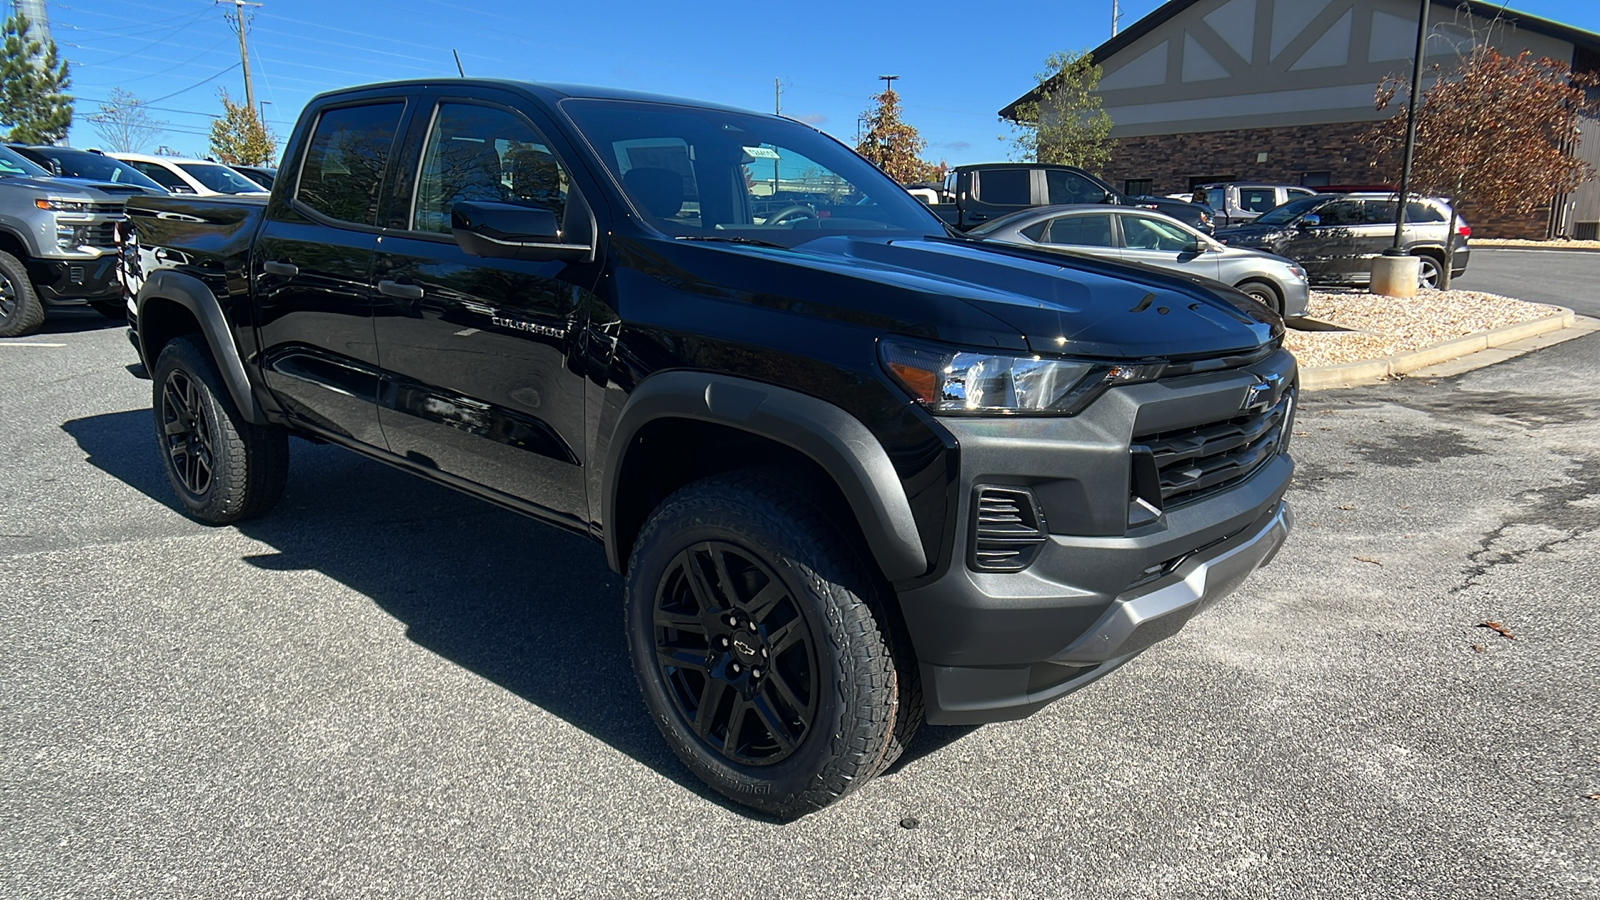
{"type": "Point", "coordinates": [93, 166]}
{"type": "Point", "coordinates": [1288, 212]}
{"type": "Point", "coordinates": [13, 163]}
{"type": "Point", "coordinates": [221, 179]}
{"type": "Point", "coordinates": [707, 173]}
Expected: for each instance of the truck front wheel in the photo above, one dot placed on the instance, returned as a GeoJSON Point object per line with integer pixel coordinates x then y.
{"type": "Point", "coordinates": [222, 468]}
{"type": "Point", "coordinates": [20, 310]}
{"type": "Point", "coordinates": [760, 644]}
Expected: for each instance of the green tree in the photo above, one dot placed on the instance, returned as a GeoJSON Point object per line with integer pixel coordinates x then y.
{"type": "Point", "coordinates": [33, 84]}
{"type": "Point", "coordinates": [240, 137]}
{"type": "Point", "coordinates": [890, 143]}
{"type": "Point", "coordinates": [1495, 134]}
{"type": "Point", "coordinates": [1062, 121]}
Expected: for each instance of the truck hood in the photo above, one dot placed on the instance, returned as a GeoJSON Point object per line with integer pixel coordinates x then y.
{"type": "Point", "coordinates": [67, 188]}
{"type": "Point", "coordinates": [1073, 306]}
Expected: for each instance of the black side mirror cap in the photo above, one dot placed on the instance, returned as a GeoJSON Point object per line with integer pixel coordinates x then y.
{"type": "Point", "coordinates": [511, 231]}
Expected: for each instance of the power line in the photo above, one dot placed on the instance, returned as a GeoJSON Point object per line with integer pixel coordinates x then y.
{"type": "Point", "coordinates": [197, 83]}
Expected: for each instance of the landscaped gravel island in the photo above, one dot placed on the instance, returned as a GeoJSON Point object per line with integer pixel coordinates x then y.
{"type": "Point", "coordinates": [1376, 326]}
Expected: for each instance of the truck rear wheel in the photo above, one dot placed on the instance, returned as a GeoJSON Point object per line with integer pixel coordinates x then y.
{"type": "Point", "coordinates": [222, 467]}
{"type": "Point", "coordinates": [20, 310]}
{"type": "Point", "coordinates": [760, 644]}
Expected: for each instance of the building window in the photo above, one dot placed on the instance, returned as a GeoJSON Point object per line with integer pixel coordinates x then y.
{"type": "Point", "coordinates": [1138, 187]}
{"type": "Point", "coordinates": [1316, 179]}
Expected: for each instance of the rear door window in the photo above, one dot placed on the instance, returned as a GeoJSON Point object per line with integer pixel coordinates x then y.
{"type": "Point", "coordinates": [1342, 212]}
{"type": "Point", "coordinates": [347, 159]}
{"type": "Point", "coordinates": [1257, 200]}
{"type": "Point", "coordinates": [1082, 231]}
{"type": "Point", "coordinates": [1005, 187]}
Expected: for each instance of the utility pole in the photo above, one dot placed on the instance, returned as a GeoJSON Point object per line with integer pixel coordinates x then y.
{"type": "Point", "coordinates": [237, 17]}
{"type": "Point", "coordinates": [1411, 130]}
{"type": "Point", "coordinates": [1115, 15]}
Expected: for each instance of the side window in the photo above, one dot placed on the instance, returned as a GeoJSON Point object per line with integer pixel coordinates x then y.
{"type": "Point", "coordinates": [485, 153]}
{"type": "Point", "coordinates": [1341, 212]}
{"type": "Point", "coordinates": [162, 175]}
{"type": "Point", "coordinates": [1070, 187]}
{"type": "Point", "coordinates": [1005, 187]}
{"type": "Point", "coordinates": [1140, 233]}
{"type": "Point", "coordinates": [1417, 211]}
{"type": "Point", "coordinates": [1257, 200]}
{"type": "Point", "coordinates": [344, 166]}
{"type": "Point", "coordinates": [1379, 212]}
{"type": "Point", "coordinates": [1084, 231]}
{"type": "Point", "coordinates": [1297, 193]}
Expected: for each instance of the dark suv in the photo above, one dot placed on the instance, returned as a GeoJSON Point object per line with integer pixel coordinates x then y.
{"type": "Point", "coordinates": [1335, 237]}
{"type": "Point", "coordinates": [857, 471]}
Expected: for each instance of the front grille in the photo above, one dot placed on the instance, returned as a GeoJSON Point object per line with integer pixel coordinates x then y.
{"type": "Point", "coordinates": [1192, 463]}
{"type": "Point", "coordinates": [103, 235]}
{"type": "Point", "coordinates": [112, 209]}
{"type": "Point", "coordinates": [1007, 529]}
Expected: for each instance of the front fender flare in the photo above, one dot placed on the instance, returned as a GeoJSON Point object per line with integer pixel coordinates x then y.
{"type": "Point", "coordinates": [829, 436]}
{"type": "Point", "coordinates": [193, 295]}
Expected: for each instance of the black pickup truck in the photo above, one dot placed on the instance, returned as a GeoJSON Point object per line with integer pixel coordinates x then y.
{"type": "Point", "coordinates": [976, 193]}
{"type": "Point", "coordinates": [858, 471]}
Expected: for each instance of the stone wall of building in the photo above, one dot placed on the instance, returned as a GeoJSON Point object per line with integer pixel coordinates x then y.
{"type": "Point", "coordinates": [1313, 155]}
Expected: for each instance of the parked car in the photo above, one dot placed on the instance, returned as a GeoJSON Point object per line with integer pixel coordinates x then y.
{"type": "Point", "coordinates": [850, 469]}
{"type": "Point", "coordinates": [1150, 238]}
{"type": "Point", "coordinates": [259, 174]}
{"type": "Point", "coordinates": [1238, 202]}
{"type": "Point", "coordinates": [979, 192]}
{"type": "Point", "coordinates": [193, 176]}
{"type": "Point", "coordinates": [1336, 236]}
{"type": "Point", "coordinates": [107, 173]}
{"type": "Point", "coordinates": [57, 245]}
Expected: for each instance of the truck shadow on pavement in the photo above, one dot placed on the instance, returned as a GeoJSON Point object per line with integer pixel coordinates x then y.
{"type": "Point", "coordinates": [527, 606]}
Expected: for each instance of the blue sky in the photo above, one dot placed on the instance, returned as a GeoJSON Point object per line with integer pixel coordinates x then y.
{"type": "Point", "coordinates": [958, 62]}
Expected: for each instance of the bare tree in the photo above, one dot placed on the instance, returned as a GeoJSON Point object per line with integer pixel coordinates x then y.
{"type": "Point", "coordinates": [1496, 133]}
{"type": "Point", "coordinates": [123, 123]}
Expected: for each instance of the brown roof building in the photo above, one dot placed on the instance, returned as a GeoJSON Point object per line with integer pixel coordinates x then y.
{"type": "Point", "coordinates": [1281, 91]}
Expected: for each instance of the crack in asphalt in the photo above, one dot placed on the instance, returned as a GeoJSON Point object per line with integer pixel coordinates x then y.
{"type": "Point", "coordinates": [1553, 506]}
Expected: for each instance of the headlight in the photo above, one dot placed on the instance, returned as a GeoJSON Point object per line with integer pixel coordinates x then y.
{"type": "Point", "coordinates": [71, 237]}
{"type": "Point", "coordinates": [1298, 272]}
{"type": "Point", "coordinates": [56, 204]}
{"type": "Point", "coordinates": [947, 381]}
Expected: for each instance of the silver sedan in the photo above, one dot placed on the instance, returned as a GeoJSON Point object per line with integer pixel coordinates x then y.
{"type": "Point", "coordinates": [1143, 236]}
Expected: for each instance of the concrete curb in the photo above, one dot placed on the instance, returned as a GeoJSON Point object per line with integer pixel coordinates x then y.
{"type": "Point", "coordinates": [1478, 246]}
{"type": "Point", "coordinates": [1368, 371]}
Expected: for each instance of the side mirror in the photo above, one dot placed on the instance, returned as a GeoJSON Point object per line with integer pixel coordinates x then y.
{"type": "Point", "coordinates": [1310, 220]}
{"type": "Point", "coordinates": [1196, 247]}
{"type": "Point", "coordinates": [511, 231]}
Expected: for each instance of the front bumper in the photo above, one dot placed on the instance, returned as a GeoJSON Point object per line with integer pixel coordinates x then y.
{"type": "Point", "coordinates": [74, 281]}
{"type": "Point", "coordinates": [997, 645]}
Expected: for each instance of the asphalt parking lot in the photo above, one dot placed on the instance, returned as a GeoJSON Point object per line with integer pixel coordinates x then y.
{"type": "Point", "coordinates": [388, 689]}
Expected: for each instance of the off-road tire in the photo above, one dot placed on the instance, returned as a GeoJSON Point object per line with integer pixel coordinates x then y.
{"type": "Point", "coordinates": [21, 311]}
{"type": "Point", "coordinates": [745, 522]}
{"type": "Point", "coordinates": [222, 467]}
{"type": "Point", "coordinates": [111, 309]}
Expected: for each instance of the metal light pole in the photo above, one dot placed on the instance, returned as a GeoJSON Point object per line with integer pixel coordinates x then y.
{"type": "Point", "coordinates": [1411, 130]}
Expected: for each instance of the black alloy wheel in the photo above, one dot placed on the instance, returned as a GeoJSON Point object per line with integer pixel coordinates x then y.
{"type": "Point", "coordinates": [21, 312]}
{"type": "Point", "coordinates": [764, 647]}
{"type": "Point", "coordinates": [189, 433]}
{"type": "Point", "coordinates": [223, 467]}
{"type": "Point", "coordinates": [735, 653]}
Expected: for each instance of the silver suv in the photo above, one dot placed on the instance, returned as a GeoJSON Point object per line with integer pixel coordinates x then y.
{"type": "Point", "coordinates": [58, 245]}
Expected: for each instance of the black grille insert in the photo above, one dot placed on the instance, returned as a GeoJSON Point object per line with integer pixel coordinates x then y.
{"type": "Point", "coordinates": [1007, 529]}
{"type": "Point", "coordinates": [1196, 462]}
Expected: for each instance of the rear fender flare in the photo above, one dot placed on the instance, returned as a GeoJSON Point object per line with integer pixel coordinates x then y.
{"type": "Point", "coordinates": [845, 449]}
{"type": "Point", "coordinates": [193, 295]}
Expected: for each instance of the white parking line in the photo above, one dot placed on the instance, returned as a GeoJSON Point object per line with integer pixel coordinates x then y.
{"type": "Point", "coordinates": [28, 344]}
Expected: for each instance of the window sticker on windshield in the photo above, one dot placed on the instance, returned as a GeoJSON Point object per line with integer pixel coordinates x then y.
{"type": "Point", "coordinates": [761, 152]}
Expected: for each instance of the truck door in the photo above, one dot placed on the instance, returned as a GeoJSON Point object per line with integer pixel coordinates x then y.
{"type": "Point", "coordinates": [482, 357]}
{"type": "Point", "coordinates": [995, 192]}
{"type": "Point", "coordinates": [313, 256]}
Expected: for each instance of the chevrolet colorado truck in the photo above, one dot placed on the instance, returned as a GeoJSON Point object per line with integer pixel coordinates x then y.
{"type": "Point", "coordinates": [857, 470]}
{"type": "Point", "coordinates": [58, 244]}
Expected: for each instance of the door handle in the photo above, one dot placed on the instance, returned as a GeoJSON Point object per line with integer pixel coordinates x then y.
{"type": "Point", "coordinates": [284, 269]}
{"type": "Point", "coordinates": [400, 291]}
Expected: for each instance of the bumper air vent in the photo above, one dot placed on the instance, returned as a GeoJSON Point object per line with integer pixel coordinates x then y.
{"type": "Point", "coordinates": [1007, 529]}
